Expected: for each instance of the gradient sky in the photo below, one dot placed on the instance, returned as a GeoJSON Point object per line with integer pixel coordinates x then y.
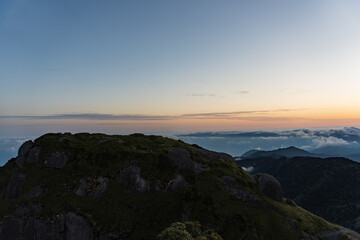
{"type": "Point", "coordinates": [157, 66]}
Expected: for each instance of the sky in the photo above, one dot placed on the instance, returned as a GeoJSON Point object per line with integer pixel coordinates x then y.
{"type": "Point", "coordinates": [177, 66]}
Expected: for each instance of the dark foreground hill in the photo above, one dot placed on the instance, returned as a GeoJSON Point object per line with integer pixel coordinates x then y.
{"type": "Point", "coordinates": [328, 187]}
{"type": "Point", "coordinates": [95, 186]}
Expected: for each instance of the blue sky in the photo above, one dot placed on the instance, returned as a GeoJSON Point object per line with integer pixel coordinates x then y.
{"type": "Point", "coordinates": [265, 64]}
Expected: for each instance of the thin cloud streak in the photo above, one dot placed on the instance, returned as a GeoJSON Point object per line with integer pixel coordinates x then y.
{"type": "Point", "coordinates": [202, 95]}
{"type": "Point", "coordinates": [211, 115]}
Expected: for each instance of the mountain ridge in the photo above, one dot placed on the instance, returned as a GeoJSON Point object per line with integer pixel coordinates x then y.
{"type": "Point", "coordinates": [96, 186]}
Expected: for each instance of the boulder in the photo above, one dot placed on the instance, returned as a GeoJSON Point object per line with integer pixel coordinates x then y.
{"type": "Point", "coordinates": [25, 148]}
{"type": "Point", "coordinates": [198, 168]}
{"type": "Point", "coordinates": [269, 186]}
{"type": "Point", "coordinates": [77, 227]}
{"type": "Point", "coordinates": [101, 187]}
{"type": "Point", "coordinates": [11, 228]}
{"type": "Point", "coordinates": [14, 186]}
{"type": "Point", "coordinates": [250, 199]}
{"type": "Point", "coordinates": [180, 158]}
{"type": "Point", "coordinates": [212, 156]}
{"type": "Point", "coordinates": [30, 210]}
{"type": "Point", "coordinates": [29, 229]}
{"type": "Point", "coordinates": [177, 183]}
{"type": "Point", "coordinates": [37, 191]}
{"type": "Point", "coordinates": [131, 177]}
{"type": "Point", "coordinates": [230, 181]}
{"type": "Point", "coordinates": [34, 154]}
{"type": "Point", "coordinates": [23, 151]}
{"type": "Point", "coordinates": [45, 229]}
{"type": "Point", "coordinates": [81, 190]}
{"type": "Point", "coordinates": [20, 161]}
{"type": "Point", "coordinates": [57, 160]}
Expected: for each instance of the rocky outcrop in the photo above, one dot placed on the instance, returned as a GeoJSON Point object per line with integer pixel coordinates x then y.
{"type": "Point", "coordinates": [58, 227]}
{"type": "Point", "coordinates": [180, 158]}
{"type": "Point", "coordinates": [11, 228]}
{"type": "Point", "coordinates": [232, 187]}
{"type": "Point", "coordinates": [131, 177]}
{"type": "Point", "coordinates": [101, 187]}
{"type": "Point", "coordinates": [230, 181]}
{"type": "Point", "coordinates": [250, 199]}
{"type": "Point", "coordinates": [22, 153]}
{"type": "Point", "coordinates": [30, 210]}
{"type": "Point", "coordinates": [57, 160]}
{"type": "Point", "coordinates": [177, 183]}
{"type": "Point", "coordinates": [37, 191]}
{"type": "Point", "coordinates": [34, 154]}
{"type": "Point", "coordinates": [81, 190]}
{"type": "Point", "coordinates": [14, 186]}
{"type": "Point", "coordinates": [77, 228]}
{"type": "Point", "coordinates": [212, 156]}
{"type": "Point", "coordinates": [44, 229]}
{"type": "Point", "coordinates": [269, 186]}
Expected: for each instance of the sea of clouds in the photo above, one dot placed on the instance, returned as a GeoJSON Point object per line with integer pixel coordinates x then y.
{"type": "Point", "coordinates": [331, 142]}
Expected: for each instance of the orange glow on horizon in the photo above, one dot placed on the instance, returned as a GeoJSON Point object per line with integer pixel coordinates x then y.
{"type": "Point", "coordinates": [312, 118]}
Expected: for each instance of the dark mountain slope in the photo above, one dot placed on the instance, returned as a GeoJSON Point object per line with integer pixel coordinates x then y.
{"type": "Point", "coordinates": [95, 186]}
{"type": "Point", "coordinates": [328, 187]}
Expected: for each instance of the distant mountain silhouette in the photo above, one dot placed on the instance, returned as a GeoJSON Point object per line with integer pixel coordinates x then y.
{"type": "Point", "coordinates": [288, 152]}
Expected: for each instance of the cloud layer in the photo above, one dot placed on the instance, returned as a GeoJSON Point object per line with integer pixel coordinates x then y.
{"type": "Point", "coordinates": [339, 142]}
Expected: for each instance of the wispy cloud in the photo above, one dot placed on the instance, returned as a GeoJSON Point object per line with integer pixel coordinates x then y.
{"type": "Point", "coordinates": [202, 95]}
{"type": "Point", "coordinates": [242, 92]}
{"type": "Point", "coordinates": [92, 116]}
{"type": "Point", "coordinates": [210, 115]}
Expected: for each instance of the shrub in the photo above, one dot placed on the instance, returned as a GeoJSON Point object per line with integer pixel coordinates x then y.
{"type": "Point", "coordinates": [176, 231]}
{"type": "Point", "coordinates": [211, 235]}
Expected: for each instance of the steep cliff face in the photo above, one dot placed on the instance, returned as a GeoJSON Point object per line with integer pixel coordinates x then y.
{"type": "Point", "coordinates": [95, 186]}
